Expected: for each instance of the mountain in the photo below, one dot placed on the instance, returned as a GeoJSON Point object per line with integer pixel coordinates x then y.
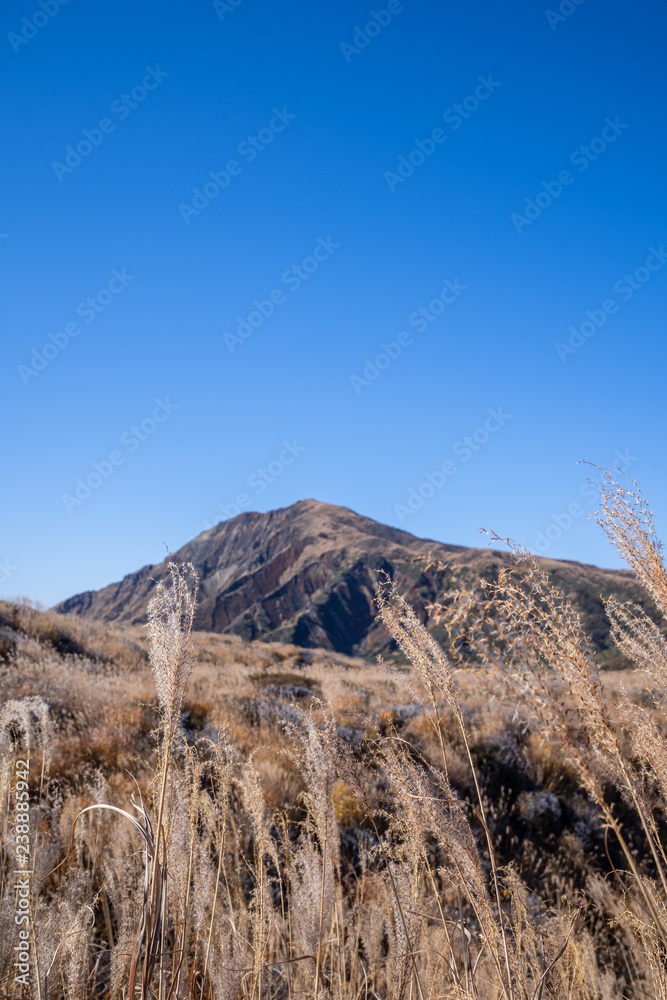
{"type": "Point", "coordinates": [307, 575]}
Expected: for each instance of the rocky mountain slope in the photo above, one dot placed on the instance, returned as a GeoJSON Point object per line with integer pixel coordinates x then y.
{"type": "Point", "coordinates": [307, 574]}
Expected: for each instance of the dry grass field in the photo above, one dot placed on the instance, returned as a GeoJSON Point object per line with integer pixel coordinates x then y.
{"type": "Point", "coordinates": [204, 817]}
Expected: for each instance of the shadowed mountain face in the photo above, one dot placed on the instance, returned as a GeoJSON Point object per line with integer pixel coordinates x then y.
{"type": "Point", "coordinates": [307, 574]}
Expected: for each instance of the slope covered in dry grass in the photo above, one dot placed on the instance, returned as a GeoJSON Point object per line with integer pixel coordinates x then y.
{"type": "Point", "coordinates": [211, 818]}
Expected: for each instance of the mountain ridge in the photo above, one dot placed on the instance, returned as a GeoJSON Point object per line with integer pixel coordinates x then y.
{"type": "Point", "coordinates": [308, 573]}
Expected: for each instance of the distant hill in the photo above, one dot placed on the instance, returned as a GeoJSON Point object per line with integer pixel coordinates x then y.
{"type": "Point", "coordinates": [307, 575]}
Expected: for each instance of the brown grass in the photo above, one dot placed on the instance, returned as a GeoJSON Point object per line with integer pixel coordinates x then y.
{"type": "Point", "coordinates": [484, 820]}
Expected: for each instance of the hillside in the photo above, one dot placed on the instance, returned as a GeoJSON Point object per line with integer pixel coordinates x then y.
{"type": "Point", "coordinates": [97, 682]}
{"type": "Point", "coordinates": [307, 575]}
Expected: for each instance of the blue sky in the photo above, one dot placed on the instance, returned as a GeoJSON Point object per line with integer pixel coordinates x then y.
{"type": "Point", "coordinates": [217, 218]}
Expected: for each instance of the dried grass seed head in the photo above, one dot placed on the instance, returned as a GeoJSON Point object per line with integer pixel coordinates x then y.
{"type": "Point", "coordinates": [170, 618]}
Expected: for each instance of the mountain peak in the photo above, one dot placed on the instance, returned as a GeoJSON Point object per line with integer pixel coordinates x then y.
{"type": "Point", "coordinates": [308, 574]}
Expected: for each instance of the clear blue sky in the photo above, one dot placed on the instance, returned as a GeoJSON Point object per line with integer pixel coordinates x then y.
{"type": "Point", "coordinates": [350, 188]}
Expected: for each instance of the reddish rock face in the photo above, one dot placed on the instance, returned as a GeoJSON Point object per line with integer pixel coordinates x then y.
{"type": "Point", "coordinates": [308, 573]}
